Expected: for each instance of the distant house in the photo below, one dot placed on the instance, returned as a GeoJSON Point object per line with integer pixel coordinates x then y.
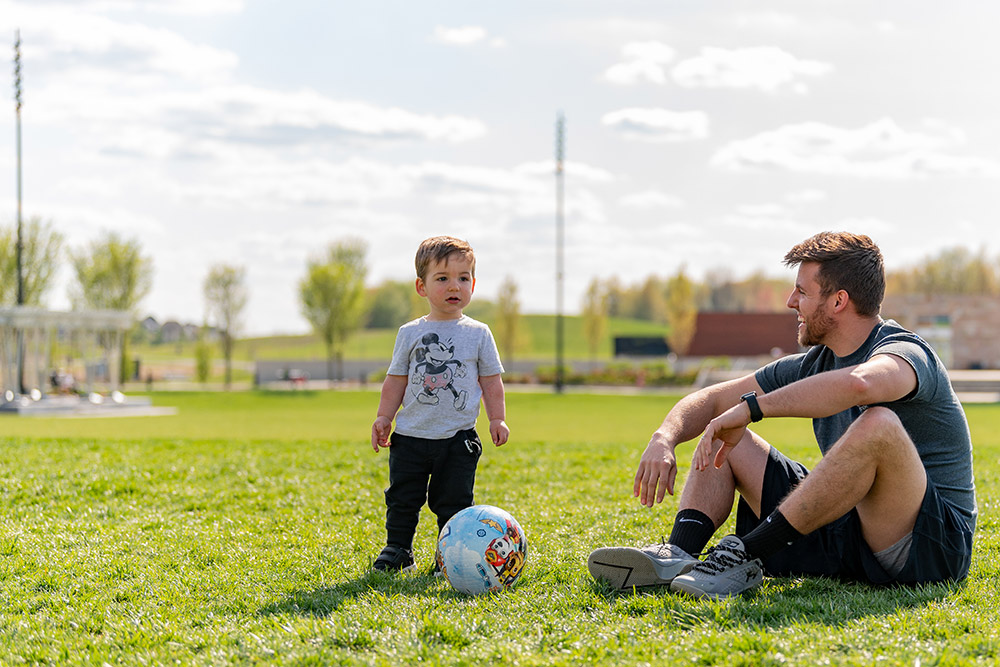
{"type": "Point", "coordinates": [171, 332]}
{"type": "Point", "coordinates": [150, 326]}
{"type": "Point", "coordinates": [744, 335]}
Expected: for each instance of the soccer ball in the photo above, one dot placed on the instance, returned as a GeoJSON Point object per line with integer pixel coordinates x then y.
{"type": "Point", "coordinates": [481, 549]}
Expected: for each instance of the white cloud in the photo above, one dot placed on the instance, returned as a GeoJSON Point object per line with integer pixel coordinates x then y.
{"type": "Point", "coordinates": [650, 199]}
{"type": "Point", "coordinates": [658, 125]}
{"type": "Point", "coordinates": [808, 196]}
{"type": "Point", "coordinates": [879, 150]}
{"type": "Point", "coordinates": [65, 39]}
{"type": "Point", "coordinates": [463, 36]}
{"type": "Point", "coordinates": [765, 68]}
{"type": "Point", "coordinates": [643, 62]}
{"type": "Point", "coordinates": [572, 169]}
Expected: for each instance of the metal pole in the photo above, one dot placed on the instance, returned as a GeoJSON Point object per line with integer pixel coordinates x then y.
{"type": "Point", "coordinates": [560, 239]}
{"type": "Point", "coordinates": [17, 100]}
{"type": "Point", "coordinates": [20, 239]}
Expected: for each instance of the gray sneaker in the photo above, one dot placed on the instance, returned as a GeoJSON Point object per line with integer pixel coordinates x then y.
{"type": "Point", "coordinates": [626, 568]}
{"type": "Point", "coordinates": [727, 570]}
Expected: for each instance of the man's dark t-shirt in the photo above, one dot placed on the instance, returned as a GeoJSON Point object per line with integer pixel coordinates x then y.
{"type": "Point", "coordinates": [932, 414]}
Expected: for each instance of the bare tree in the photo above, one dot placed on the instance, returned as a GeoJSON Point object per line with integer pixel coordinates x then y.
{"type": "Point", "coordinates": [225, 298]}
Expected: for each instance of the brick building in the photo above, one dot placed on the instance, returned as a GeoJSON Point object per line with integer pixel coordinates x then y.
{"type": "Point", "coordinates": [964, 330]}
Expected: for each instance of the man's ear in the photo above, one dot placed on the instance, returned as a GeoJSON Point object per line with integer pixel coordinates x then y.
{"type": "Point", "coordinates": [840, 300]}
{"type": "Point", "coordinates": [421, 289]}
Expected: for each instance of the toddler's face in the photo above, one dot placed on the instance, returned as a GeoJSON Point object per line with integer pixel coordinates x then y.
{"type": "Point", "coordinates": [448, 287]}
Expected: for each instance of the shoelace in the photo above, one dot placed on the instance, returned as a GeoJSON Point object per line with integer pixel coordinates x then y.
{"type": "Point", "coordinates": [719, 558]}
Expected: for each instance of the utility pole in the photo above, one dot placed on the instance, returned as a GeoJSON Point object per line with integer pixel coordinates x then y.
{"type": "Point", "coordinates": [560, 238]}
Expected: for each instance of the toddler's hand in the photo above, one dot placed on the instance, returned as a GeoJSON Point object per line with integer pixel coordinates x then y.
{"type": "Point", "coordinates": [380, 432]}
{"type": "Point", "coordinates": [499, 431]}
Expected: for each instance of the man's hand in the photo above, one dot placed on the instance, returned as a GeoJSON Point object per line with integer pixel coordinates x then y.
{"type": "Point", "coordinates": [657, 472]}
{"type": "Point", "coordinates": [499, 431]}
{"type": "Point", "coordinates": [380, 432]}
{"type": "Point", "coordinates": [724, 432]}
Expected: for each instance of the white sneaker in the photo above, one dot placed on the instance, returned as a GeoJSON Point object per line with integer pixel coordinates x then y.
{"type": "Point", "coordinates": [626, 568]}
{"type": "Point", "coordinates": [727, 570]}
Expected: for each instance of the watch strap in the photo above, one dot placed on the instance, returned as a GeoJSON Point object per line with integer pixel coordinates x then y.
{"type": "Point", "coordinates": [750, 398]}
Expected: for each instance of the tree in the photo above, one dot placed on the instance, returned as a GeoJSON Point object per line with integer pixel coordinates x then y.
{"type": "Point", "coordinates": [595, 316]}
{"type": "Point", "coordinates": [202, 358]}
{"type": "Point", "coordinates": [649, 302]}
{"type": "Point", "coordinates": [225, 298]}
{"type": "Point", "coordinates": [391, 304]}
{"type": "Point", "coordinates": [510, 336]}
{"type": "Point", "coordinates": [952, 271]}
{"type": "Point", "coordinates": [332, 297]}
{"type": "Point", "coordinates": [39, 261]}
{"type": "Point", "coordinates": [111, 273]}
{"type": "Point", "coordinates": [682, 312]}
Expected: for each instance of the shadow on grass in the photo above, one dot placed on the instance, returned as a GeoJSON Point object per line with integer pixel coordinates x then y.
{"type": "Point", "coordinates": [325, 600]}
{"type": "Point", "coordinates": [780, 602]}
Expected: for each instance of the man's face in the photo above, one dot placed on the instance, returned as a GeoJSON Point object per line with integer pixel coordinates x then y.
{"type": "Point", "coordinates": [815, 310]}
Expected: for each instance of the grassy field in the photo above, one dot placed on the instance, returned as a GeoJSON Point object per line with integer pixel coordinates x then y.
{"type": "Point", "coordinates": [241, 530]}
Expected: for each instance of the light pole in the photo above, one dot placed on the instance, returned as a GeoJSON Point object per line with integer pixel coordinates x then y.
{"type": "Point", "coordinates": [20, 241]}
{"type": "Point", "coordinates": [17, 106]}
{"type": "Point", "coordinates": [560, 234]}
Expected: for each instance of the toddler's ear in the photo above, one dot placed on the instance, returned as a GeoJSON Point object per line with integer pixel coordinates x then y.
{"type": "Point", "coordinates": [421, 289]}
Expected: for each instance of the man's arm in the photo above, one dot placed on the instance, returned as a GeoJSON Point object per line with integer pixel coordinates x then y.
{"type": "Point", "coordinates": [882, 379]}
{"type": "Point", "coordinates": [496, 409]}
{"type": "Point", "coordinates": [685, 421]}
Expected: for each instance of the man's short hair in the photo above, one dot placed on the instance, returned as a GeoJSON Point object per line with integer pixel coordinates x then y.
{"type": "Point", "coordinates": [849, 262]}
{"type": "Point", "coordinates": [439, 249]}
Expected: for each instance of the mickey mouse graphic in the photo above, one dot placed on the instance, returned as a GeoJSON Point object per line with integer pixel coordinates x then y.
{"type": "Point", "coordinates": [434, 372]}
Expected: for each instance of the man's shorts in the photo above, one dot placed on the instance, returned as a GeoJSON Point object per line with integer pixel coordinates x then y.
{"type": "Point", "coordinates": [941, 549]}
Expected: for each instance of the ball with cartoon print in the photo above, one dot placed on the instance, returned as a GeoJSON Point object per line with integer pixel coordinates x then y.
{"type": "Point", "coordinates": [481, 549]}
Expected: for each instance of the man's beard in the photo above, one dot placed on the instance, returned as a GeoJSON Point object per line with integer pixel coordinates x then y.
{"type": "Point", "coordinates": [816, 329]}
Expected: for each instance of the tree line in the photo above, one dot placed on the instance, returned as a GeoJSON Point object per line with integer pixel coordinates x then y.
{"type": "Point", "coordinates": [112, 272]}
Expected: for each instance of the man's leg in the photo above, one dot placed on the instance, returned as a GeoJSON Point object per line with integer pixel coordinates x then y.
{"type": "Point", "coordinates": [705, 505]}
{"type": "Point", "coordinates": [874, 467]}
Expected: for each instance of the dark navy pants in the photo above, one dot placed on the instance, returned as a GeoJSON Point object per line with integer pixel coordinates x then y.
{"type": "Point", "coordinates": [441, 473]}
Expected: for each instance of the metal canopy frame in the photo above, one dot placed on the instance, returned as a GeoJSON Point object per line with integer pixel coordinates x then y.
{"type": "Point", "coordinates": [27, 335]}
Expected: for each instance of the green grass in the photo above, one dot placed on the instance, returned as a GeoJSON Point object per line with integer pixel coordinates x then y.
{"type": "Point", "coordinates": [240, 531]}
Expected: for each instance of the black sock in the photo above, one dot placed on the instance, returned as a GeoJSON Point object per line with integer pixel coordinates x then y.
{"type": "Point", "coordinates": [771, 536]}
{"type": "Point", "coordinates": [692, 530]}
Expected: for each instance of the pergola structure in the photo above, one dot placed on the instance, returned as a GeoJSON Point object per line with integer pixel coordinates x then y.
{"type": "Point", "coordinates": [28, 336]}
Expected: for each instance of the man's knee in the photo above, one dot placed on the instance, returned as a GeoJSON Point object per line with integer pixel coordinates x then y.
{"type": "Point", "coordinates": [879, 431]}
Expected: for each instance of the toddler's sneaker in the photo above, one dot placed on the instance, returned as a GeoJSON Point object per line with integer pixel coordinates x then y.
{"type": "Point", "coordinates": [626, 568]}
{"type": "Point", "coordinates": [727, 570]}
{"type": "Point", "coordinates": [394, 559]}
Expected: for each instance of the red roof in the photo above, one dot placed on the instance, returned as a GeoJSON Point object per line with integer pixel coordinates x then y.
{"type": "Point", "coordinates": [744, 334]}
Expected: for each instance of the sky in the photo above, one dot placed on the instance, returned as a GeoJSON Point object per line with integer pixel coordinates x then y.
{"type": "Point", "coordinates": [708, 136]}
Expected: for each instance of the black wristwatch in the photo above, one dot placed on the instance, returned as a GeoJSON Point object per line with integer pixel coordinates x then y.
{"type": "Point", "coordinates": [750, 398]}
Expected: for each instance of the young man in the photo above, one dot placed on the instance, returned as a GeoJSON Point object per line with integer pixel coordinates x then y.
{"type": "Point", "coordinates": [891, 501]}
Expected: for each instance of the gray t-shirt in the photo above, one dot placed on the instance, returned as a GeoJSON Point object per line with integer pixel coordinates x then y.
{"type": "Point", "coordinates": [932, 414]}
{"type": "Point", "coordinates": [443, 361]}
